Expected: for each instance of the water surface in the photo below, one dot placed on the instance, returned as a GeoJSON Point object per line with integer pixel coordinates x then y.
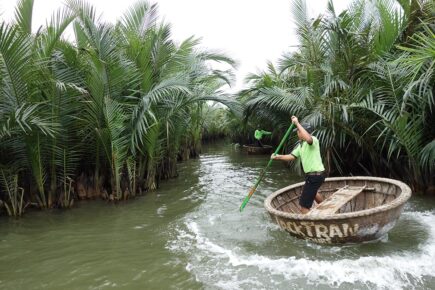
{"type": "Point", "coordinates": [189, 234]}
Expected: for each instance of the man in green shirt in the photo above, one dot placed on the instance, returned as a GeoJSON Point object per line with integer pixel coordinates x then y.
{"type": "Point", "coordinates": [259, 135]}
{"type": "Point", "coordinates": [308, 150]}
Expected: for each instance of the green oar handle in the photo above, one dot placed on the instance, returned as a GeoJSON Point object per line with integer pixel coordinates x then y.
{"type": "Point", "coordinates": [263, 172]}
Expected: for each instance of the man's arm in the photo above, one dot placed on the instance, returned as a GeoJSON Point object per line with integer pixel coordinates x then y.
{"type": "Point", "coordinates": [304, 135]}
{"type": "Point", "coordinates": [288, 157]}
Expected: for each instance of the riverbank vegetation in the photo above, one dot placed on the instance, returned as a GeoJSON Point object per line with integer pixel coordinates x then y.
{"type": "Point", "coordinates": [107, 114]}
{"type": "Point", "coordinates": [365, 79]}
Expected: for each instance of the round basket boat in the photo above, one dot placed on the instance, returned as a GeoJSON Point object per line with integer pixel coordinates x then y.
{"type": "Point", "coordinates": [355, 209]}
{"type": "Point", "coordinates": [256, 150]}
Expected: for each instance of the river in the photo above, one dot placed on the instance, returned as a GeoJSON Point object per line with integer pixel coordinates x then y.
{"type": "Point", "coordinates": [189, 234]}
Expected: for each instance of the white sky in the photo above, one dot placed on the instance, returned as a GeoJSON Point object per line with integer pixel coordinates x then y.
{"type": "Point", "coordinates": [250, 31]}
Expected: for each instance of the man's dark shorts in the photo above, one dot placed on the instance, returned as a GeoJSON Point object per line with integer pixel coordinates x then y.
{"type": "Point", "coordinates": [311, 186]}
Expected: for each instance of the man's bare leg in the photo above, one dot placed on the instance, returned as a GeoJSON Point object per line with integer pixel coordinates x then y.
{"type": "Point", "coordinates": [305, 210]}
{"type": "Point", "coordinates": [318, 198]}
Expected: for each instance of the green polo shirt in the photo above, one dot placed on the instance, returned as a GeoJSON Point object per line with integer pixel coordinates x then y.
{"type": "Point", "coordinates": [310, 155]}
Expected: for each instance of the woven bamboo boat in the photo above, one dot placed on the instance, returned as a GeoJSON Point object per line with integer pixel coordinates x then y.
{"type": "Point", "coordinates": [355, 209]}
{"type": "Point", "coordinates": [256, 150]}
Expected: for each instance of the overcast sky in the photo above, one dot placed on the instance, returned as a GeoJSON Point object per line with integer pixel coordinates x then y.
{"type": "Point", "coordinates": [250, 31]}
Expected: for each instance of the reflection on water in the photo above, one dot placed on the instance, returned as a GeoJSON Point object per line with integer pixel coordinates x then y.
{"type": "Point", "coordinates": [189, 234]}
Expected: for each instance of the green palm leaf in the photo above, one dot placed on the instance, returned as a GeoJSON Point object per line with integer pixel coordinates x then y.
{"type": "Point", "coordinates": [23, 15]}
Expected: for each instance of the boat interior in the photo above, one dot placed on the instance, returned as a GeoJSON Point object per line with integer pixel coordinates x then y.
{"type": "Point", "coordinates": [340, 197]}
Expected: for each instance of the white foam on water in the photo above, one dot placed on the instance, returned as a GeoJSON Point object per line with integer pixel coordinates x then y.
{"type": "Point", "coordinates": [398, 270]}
{"type": "Point", "coordinates": [140, 227]}
{"type": "Point", "coordinates": [139, 275]}
{"type": "Point", "coordinates": [161, 210]}
{"type": "Point", "coordinates": [213, 218]}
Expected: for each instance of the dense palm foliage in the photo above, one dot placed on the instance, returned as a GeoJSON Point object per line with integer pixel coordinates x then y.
{"type": "Point", "coordinates": [365, 80]}
{"type": "Point", "coordinates": [108, 114]}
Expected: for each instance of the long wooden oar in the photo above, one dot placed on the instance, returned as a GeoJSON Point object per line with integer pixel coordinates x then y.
{"type": "Point", "coordinates": [263, 172]}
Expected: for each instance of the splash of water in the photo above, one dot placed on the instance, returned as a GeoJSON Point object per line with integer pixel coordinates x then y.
{"type": "Point", "coordinates": [396, 270]}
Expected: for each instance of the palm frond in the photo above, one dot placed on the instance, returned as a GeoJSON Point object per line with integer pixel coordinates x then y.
{"type": "Point", "coordinates": [54, 30]}
{"type": "Point", "coordinates": [427, 156]}
{"type": "Point", "coordinates": [139, 18]}
{"type": "Point", "coordinates": [391, 22]}
{"type": "Point", "coordinates": [15, 65]}
{"type": "Point", "coordinates": [24, 15]}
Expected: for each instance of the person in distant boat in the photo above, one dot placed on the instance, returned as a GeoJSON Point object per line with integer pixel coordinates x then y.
{"type": "Point", "coordinates": [259, 135]}
{"type": "Point", "coordinates": [308, 150]}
